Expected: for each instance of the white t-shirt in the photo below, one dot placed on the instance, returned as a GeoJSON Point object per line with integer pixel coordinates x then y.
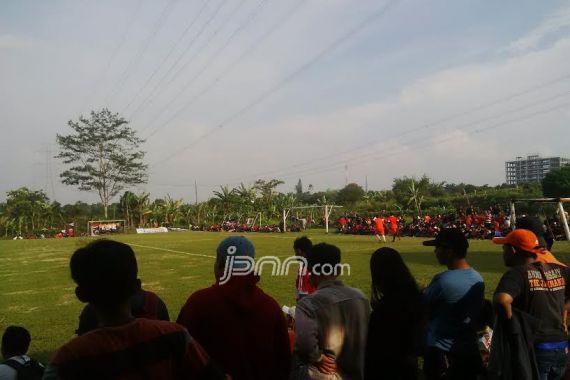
{"type": "Point", "coordinates": [9, 373]}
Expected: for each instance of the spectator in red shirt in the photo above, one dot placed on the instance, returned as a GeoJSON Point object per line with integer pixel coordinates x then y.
{"type": "Point", "coordinates": [239, 325]}
{"type": "Point", "coordinates": [302, 247]}
{"type": "Point", "coordinates": [342, 223]}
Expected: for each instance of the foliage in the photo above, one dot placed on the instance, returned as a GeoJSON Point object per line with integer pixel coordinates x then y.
{"type": "Point", "coordinates": [104, 155]}
{"type": "Point", "coordinates": [27, 210]}
{"type": "Point", "coordinates": [267, 188]}
{"type": "Point", "coordinates": [556, 183]}
{"type": "Point", "coordinates": [415, 196]}
{"type": "Point", "coordinates": [350, 194]}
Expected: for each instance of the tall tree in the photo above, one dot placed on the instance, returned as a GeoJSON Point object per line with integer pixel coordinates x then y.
{"type": "Point", "coordinates": [28, 206]}
{"type": "Point", "coordinates": [350, 194]}
{"type": "Point", "coordinates": [104, 153]}
{"type": "Point", "coordinates": [299, 188]}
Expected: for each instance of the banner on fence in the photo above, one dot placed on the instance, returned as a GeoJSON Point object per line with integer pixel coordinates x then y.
{"type": "Point", "coordinates": [151, 230]}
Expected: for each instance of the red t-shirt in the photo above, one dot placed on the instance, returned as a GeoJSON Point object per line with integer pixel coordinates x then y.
{"type": "Point", "coordinates": [240, 327]}
{"type": "Point", "coordinates": [380, 225]}
{"type": "Point", "coordinates": [157, 349]}
{"type": "Point", "coordinates": [303, 284]}
{"type": "Point", "coordinates": [497, 226]}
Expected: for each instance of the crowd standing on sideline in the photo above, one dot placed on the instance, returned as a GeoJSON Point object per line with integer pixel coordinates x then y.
{"type": "Point", "coordinates": [234, 330]}
{"type": "Point", "coordinates": [474, 225]}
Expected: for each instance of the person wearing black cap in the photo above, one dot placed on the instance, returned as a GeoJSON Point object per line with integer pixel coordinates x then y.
{"type": "Point", "coordinates": [453, 301]}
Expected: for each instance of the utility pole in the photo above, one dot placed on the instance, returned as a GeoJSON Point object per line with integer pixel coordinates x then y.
{"type": "Point", "coordinates": [196, 191]}
{"type": "Point", "coordinates": [49, 187]}
{"type": "Point", "coordinates": [345, 174]}
{"type": "Point", "coordinates": [366, 183]}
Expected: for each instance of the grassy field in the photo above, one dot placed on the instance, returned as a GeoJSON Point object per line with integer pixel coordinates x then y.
{"type": "Point", "coordinates": [36, 290]}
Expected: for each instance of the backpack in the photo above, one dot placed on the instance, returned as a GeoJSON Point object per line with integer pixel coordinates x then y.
{"type": "Point", "coordinates": [29, 370]}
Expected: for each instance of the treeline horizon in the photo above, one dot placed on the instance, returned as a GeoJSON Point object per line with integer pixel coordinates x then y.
{"type": "Point", "coordinates": [28, 211]}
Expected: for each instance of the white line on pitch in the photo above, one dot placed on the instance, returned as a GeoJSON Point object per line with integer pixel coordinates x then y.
{"type": "Point", "coordinates": [172, 250]}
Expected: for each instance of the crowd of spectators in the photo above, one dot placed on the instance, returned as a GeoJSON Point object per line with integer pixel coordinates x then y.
{"type": "Point", "coordinates": [234, 226]}
{"type": "Point", "coordinates": [474, 224]}
{"type": "Point", "coordinates": [293, 225]}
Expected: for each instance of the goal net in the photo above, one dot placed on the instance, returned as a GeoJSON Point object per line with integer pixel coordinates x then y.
{"type": "Point", "coordinates": [105, 227]}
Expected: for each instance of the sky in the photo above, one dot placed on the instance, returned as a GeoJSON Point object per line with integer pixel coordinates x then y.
{"type": "Point", "coordinates": [326, 91]}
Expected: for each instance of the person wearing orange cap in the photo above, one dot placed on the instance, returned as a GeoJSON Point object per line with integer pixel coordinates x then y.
{"type": "Point", "coordinates": [528, 241]}
{"type": "Point", "coordinates": [536, 284]}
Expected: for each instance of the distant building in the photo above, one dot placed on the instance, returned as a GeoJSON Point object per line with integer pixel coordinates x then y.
{"type": "Point", "coordinates": [532, 168]}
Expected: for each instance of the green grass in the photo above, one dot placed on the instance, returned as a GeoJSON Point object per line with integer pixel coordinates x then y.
{"type": "Point", "coordinates": [36, 290]}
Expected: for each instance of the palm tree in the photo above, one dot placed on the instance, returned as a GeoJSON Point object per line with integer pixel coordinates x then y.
{"type": "Point", "coordinates": [141, 208]}
{"type": "Point", "coordinates": [247, 197]}
{"type": "Point", "coordinates": [128, 202]}
{"type": "Point", "coordinates": [212, 213]}
{"type": "Point", "coordinates": [416, 196]}
{"type": "Point", "coordinates": [322, 200]}
{"type": "Point", "coordinates": [194, 213]}
{"type": "Point", "coordinates": [226, 198]}
{"type": "Point", "coordinates": [172, 210]}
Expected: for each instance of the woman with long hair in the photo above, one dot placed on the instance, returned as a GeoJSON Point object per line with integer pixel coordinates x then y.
{"type": "Point", "coordinates": [394, 329]}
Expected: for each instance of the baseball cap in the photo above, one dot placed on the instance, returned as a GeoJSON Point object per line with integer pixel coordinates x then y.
{"type": "Point", "coordinates": [235, 246]}
{"type": "Point", "coordinates": [521, 239]}
{"type": "Point", "coordinates": [528, 241]}
{"type": "Point", "coordinates": [449, 238]}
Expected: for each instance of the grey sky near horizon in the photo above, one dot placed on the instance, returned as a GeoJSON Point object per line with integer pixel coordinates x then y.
{"type": "Point", "coordinates": [229, 91]}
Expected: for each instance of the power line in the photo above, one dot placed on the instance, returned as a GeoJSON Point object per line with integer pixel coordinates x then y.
{"type": "Point", "coordinates": [180, 56]}
{"type": "Point", "coordinates": [209, 62]}
{"type": "Point", "coordinates": [181, 69]}
{"type": "Point", "coordinates": [434, 123]}
{"type": "Point", "coordinates": [329, 48]}
{"type": "Point", "coordinates": [143, 48]}
{"type": "Point", "coordinates": [421, 140]}
{"type": "Point", "coordinates": [365, 157]}
{"type": "Point", "coordinates": [172, 50]}
{"type": "Point", "coordinates": [103, 74]}
{"type": "Point", "coordinates": [250, 49]}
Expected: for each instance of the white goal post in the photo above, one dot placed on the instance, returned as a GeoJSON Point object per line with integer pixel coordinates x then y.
{"type": "Point", "coordinates": [561, 211]}
{"type": "Point", "coordinates": [105, 227]}
{"type": "Point", "coordinates": [327, 213]}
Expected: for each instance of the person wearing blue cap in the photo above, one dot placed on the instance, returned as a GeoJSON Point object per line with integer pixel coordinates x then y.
{"type": "Point", "coordinates": [240, 326]}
